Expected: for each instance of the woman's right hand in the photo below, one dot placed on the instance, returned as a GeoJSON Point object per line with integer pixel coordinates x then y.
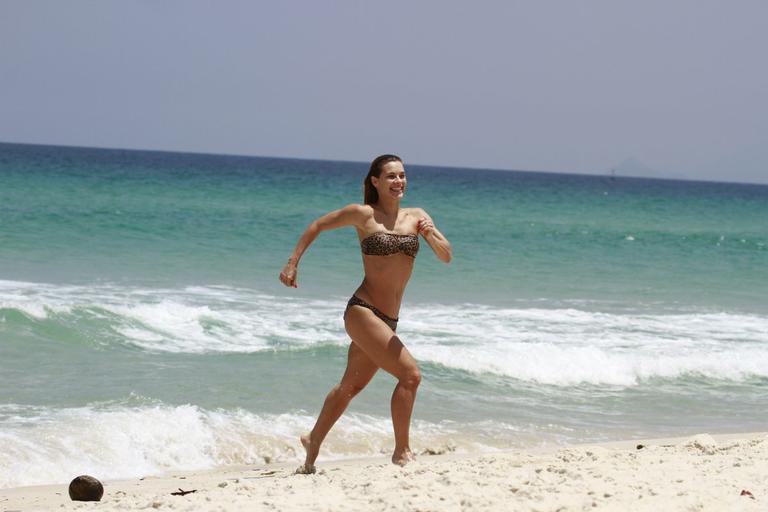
{"type": "Point", "coordinates": [288, 275]}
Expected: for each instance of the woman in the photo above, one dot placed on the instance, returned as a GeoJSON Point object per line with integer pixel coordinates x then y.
{"type": "Point", "coordinates": [389, 239]}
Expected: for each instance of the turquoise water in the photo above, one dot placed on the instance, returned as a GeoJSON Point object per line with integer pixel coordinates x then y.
{"type": "Point", "coordinates": [143, 328]}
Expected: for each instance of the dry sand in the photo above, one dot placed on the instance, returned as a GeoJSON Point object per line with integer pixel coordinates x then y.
{"type": "Point", "coordinates": [698, 473]}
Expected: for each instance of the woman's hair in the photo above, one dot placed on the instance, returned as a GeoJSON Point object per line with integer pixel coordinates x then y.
{"type": "Point", "coordinates": [370, 194]}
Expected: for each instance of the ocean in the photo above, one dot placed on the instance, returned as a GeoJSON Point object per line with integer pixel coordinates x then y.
{"type": "Point", "coordinates": [143, 327]}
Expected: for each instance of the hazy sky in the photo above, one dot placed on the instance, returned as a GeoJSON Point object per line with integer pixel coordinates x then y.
{"type": "Point", "coordinates": [571, 86]}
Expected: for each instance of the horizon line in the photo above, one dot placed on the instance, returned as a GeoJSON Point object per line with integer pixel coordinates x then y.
{"type": "Point", "coordinates": [607, 174]}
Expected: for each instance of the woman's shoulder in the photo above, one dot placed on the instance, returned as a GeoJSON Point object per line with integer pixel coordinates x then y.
{"type": "Point", "coordinates": [357, 213]}
{"type": "Point", "coordinates": [362, 209]}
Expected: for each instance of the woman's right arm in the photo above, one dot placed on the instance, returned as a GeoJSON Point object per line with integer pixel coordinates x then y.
{"type": "Point", "coordinates": [350, 215]}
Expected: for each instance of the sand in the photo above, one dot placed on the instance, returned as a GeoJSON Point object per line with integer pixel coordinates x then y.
{"type": "Point", "coordinates": [698, 473]}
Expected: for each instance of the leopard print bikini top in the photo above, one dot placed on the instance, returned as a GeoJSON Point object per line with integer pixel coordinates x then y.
{"type": "Point", "coordinates": [384, 244]}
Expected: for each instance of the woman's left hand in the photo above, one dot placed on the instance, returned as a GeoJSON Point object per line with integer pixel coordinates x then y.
{"type": "Point", "coordinates": [425, 227]}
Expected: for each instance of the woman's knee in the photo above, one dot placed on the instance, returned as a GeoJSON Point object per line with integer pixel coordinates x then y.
{"type": "Point", "coordinates": [411, 377]}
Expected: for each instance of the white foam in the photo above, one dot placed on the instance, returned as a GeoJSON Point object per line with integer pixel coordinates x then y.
{"type": "Point", "coordinates": [558, 346]}
{"type": "Point", "coordinates": [567, 346]}
{"type": "Point", "coordinates": [193, 320]}
{"type": "Point", "coordinates": [49, 446]}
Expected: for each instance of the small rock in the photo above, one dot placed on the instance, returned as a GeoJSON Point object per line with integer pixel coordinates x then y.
{"type": "Point", "coordinates": [85, 488]}
{"type": "Point", "coordinates": [223, 484]}
{"type": "Point", "coordinates": [702, 442]}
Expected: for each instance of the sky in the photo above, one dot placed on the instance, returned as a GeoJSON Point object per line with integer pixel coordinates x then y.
{"type": "Point", "coordinates": [666, 88]}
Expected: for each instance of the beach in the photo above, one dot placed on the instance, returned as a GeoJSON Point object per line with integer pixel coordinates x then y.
{"type": "Point", "coordinates": [144, 332]}
{"type": "Point", "coordinates": [549, 287]}
{"type": "Point", "coordinates": [702, 473]}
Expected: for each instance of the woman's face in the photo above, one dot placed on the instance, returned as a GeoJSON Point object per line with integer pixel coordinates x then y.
{"type": "Point", "coordinates": [391, 182]}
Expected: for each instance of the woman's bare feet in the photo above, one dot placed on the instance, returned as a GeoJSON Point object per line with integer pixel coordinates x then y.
{"type": "Point", "coordinates": [403, 457]}
{"type": "Point", "coordinates": [308, 468]}
{"type": "Point", "coordinates": [304, 470]}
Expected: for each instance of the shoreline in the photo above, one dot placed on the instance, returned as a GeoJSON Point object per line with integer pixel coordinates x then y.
{"type": "Point", "coordinates": [702, 472]}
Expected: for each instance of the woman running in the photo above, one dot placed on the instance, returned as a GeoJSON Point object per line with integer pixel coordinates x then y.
{"type": "Point", "coordinates": [389, 240]}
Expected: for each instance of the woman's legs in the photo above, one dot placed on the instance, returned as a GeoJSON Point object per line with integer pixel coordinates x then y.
{"type": "Point", "coordinates": [385, 350]}
{"type": "Point", "coordinates": [360, 370]}
{"type": "Point", "coordinates": [374, 346]}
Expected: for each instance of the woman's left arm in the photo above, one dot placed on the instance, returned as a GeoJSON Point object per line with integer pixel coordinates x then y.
{"type": "Point", "coordinates": [436, 240]}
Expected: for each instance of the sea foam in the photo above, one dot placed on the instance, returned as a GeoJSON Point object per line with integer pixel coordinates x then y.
{"type": "Point", "coordinates": [547, 345]}
{"type": "Point", "coordinates": [44, 445]}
